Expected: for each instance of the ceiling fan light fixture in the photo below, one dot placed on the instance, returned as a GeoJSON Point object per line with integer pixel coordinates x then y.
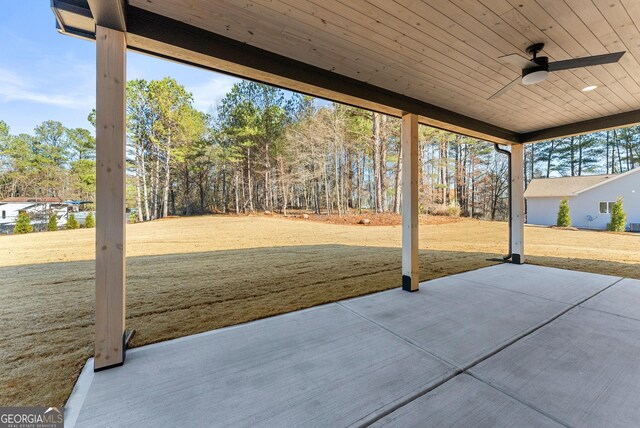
{"type": "Point", "coordinates": [537, 68]}
{"type": "Point", "coordinates": [531, 76]}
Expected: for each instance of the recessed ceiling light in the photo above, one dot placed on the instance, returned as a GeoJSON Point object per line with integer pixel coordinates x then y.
{"type": "Point", "coordinates": [589, 88]}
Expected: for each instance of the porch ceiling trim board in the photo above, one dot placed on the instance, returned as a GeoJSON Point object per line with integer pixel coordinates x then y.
{"type": "Point", "coordinates": [599, 124]}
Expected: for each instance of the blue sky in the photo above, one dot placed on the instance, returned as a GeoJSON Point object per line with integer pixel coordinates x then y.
{"type": "Point", "coordinates": [45, 75]}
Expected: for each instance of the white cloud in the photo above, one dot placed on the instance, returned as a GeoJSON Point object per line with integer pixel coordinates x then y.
{"type": "Point", "coordinates": [16, 87]}
{"type": "Point", "coordinates": [208, 94]}
{"type": "Point", "coordinates": [207, 87]}
{"type": "Point", "coordinates": [67, 81]}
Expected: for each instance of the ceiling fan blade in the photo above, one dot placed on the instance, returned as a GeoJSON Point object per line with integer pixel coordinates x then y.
{"type": "Point", "coordinates": [587, 61]}
{"type": "Point", "coordinates": [506, 88]}
{"type": "Point", "coordinates": [516, 60]}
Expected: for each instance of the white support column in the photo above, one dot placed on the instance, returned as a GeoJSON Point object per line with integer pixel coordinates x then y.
{"type": "Point", "coordinates": [517, 203]}
{"type": "Point", "coordinates": [110, 197]}
{"type": "Point", "coordinates": [410, 261]}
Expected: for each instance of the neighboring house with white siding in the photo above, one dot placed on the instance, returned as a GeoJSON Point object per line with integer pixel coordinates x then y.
{"type": "Point", "coordinates": [38, 209]}
{"type": "Point", "coordinates": [590, 198]}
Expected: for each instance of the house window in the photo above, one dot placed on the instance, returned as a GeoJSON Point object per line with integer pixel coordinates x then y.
{"type": "Point", "coordinates": [606, 207]}
{"type": "Point", "coordinates": [4, 214]}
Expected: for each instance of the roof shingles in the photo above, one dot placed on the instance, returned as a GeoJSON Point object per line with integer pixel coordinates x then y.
{"type": "Point", "coordinates": [563, 186]}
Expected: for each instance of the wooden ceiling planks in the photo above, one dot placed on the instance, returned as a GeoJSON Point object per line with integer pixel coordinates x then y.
{"type": "Point", "coordinates": [418, 83]}
{"type": "Point", "coordinates": [521, 95]}
{"type": "Point", "coordinates": [354, 32]}
{"type": "Point", "coordinates": [625, 36]}
{"type": "Point", "coordinates": [453, 73]}
{"type": "Point", "coordinates": [432, 54]}
{"type": "Point", "coordinates": [445, 52]}
{"type": "Point", "coordinates": [292, 44]}
{"type": "Point", "coordinates": [495, 76]}
{"type": "Point", "coordinates": [435, 79]}
{"type": "Point", "coordinates": [515, 27]}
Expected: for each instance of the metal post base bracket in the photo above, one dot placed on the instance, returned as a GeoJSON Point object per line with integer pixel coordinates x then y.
{"type": "Point", "coordinates": [406, 284]}
{"type": "Point", "coordinates": [126, 337]}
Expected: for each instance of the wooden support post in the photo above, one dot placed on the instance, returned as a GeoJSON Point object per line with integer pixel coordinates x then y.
{"type": "Point", "coordinates": [517, 203]}
{"type": "Point", "coordinates": [410, 262]}
{"type": "Point", "coordinates": [110, 197]}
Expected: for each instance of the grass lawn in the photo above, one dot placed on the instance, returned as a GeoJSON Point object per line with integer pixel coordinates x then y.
{"type": "Point", "coordinates": [189, 275]}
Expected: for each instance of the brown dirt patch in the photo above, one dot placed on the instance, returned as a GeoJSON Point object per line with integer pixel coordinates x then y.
{"type": "Point", "coordinates": [354, 218]}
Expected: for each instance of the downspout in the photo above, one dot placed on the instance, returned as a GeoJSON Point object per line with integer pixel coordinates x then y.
{"type": "Point", "coordinates": [508, 153]}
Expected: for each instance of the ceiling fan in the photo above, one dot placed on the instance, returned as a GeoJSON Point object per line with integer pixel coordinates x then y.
{"type": "Point", "coordinates": [537, 69]}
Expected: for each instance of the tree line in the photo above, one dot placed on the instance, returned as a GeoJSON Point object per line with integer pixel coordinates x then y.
{"type": "Point", "coordinates": [265, 149]}
{"type": "Point", "coordinates": [607, 152]}
{"type": "Point", "coordinates": [54, 161]}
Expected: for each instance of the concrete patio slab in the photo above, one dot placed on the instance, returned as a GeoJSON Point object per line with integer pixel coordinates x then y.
{"type": "Point", "coordinates": [465, 402]}
{"type": "Point", "coordinates": [622, 299]}
{"type": "Point", "coordinates": [582, 369]}
{"type": "Point", "coordinates": [395, 358]}
{"type": "Point", "coordinates": [320, 367]}
{"type": "Point", "coordinates": [556, 284]}
{"type": "Point", "coordinates": [458, 320]}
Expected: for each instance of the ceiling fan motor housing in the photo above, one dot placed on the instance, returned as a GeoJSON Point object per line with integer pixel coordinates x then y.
{"type": "Point", "coordinates": [537, 73]}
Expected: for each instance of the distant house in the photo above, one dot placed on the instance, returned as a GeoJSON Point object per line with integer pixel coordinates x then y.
{"type": "Point", "coordinates": [38, 209]}
{"type": "Point", "coordinates": [590, 198]}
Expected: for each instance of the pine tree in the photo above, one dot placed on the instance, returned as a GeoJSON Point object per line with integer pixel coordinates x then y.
{"type": "Point", "coordinates": [72, 223]}
{"type": "Point", "coordinates": [618, 217]}
{"type": "Point", "coordinates": [23, 225]}
{"type": "Point", "coordinates": [52, 226]}
{"type": "Point", "coordinates": [89, 222]}
{"type": "Point", "coordinates": [564, 218]}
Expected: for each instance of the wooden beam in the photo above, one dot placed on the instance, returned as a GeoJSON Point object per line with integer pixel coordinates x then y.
{"type": "Point", "coordinates": [110, 197]}
{"type": "Point", "coordinates": [109, 13]}
{"type": "Point", "coordinates": [410, 256]}
{"type": "Point", "coordinates": [162, 36]}
{"type": "Point", "coordinates": [517, 203]}
{"type": "Point", "coordinates": [593, 125]}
